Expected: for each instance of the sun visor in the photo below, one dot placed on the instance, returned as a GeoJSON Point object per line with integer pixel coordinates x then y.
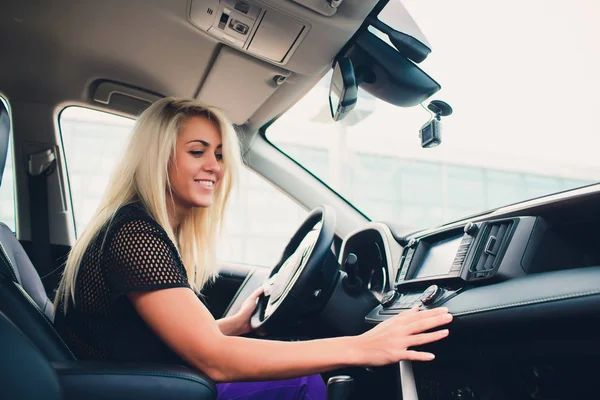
{"type": "Point", "coordinates": [240, 84]}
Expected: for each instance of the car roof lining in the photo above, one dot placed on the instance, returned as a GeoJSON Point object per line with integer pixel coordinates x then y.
{"type": "Point", "coordinates": [55, 53]}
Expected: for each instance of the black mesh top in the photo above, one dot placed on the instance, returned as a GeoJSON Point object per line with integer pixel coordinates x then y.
{"type": "Point", "coordinates": [131, 253]}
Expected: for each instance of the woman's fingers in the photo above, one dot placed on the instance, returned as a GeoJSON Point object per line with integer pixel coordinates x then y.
{"type": "Point", "coordinates": [395, 336]}
{"type": "Point", "coordinates": [256, 294]}
{"type": "Point", "coordinates": [410, 317]}
{"type": "Point", "coordinates": [424, 338]}
{"type": "Point", "coordinates": [426, 324]}
{"type": "Point", "coordinates": [411, 355]}
{"type": "Point", "coordinates": [413, 310]}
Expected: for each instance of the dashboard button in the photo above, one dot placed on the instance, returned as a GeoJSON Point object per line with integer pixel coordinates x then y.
{"type": "Point", "coordinates": [389, 298]}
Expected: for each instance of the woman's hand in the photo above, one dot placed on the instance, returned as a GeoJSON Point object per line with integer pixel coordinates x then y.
{"type": "Point", "coordinates": [243, 316]}
{"type": "Point", "coordinates": [389, 341]}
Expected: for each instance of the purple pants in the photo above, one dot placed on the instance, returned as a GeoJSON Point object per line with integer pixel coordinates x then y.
{"type": "Point", "coordinates": [304, 388]}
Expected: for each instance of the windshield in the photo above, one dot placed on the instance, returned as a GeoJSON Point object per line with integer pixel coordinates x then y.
{"type": "Point", "coordinates": [522, 78]}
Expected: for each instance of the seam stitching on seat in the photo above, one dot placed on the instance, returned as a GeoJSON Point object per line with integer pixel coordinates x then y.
{"type": "Point", "coordinates": [33, 303]}
{"type": "Point", "coordinates": [530, 302]}
{"type": "Point", "coordinates": [7, 261]}
{"type": "Point", "coordinates": [45, 318]}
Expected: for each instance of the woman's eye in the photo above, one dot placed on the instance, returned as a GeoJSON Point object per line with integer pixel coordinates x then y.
{"type": "Point", "coordinates": [196, 153]}
{"type": "Point", "coordinates": [219, 157]}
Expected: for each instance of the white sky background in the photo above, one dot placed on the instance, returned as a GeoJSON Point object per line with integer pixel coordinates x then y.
{"type": "Point", "coordinates": [523, 78]}
{"type": "Point", "coordinates": [522, 75]}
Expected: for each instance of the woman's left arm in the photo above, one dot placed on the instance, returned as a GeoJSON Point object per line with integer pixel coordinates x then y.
{"type": "Point", "coordinates": [239, 323]}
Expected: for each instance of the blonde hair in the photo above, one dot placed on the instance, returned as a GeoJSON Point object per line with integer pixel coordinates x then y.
{"type": "Point", "coordinates": [142, 175]}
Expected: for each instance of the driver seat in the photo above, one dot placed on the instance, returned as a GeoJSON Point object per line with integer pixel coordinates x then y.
{"type": "Point", "coordinates": [24, 372]}
{"type": "Point", "coordinates": [23, 298]}
{"type": "Point", "coordinates": [22, 267]}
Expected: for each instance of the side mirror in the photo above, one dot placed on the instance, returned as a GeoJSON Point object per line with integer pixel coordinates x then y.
{"type": "Point", "coordinates": [343, 91]}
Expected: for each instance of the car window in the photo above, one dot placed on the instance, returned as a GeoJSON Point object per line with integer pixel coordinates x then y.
{"type": "Point", "coordinates": [7, 189]}
{"type": "Point", "coordinates": [260, 221]}
{"type": "Point", "coordinates": [521, 125]}
{"type": "Point", "coordinates": [260, 218]}
{"type": "Point", "coordinates": [93, 142]}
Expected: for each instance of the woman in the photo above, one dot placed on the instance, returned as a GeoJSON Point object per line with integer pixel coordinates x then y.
{"type": "Point", "coordinates": [131, 283]}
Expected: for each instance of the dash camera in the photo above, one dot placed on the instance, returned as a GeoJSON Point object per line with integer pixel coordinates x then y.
{"type": "Point", "coordinates": [431, 134]}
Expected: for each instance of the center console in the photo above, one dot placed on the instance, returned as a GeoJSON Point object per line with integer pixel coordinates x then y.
{"type": "Point", "coordinates": [436, 267]}
{"type": "Point", "coordinates": [523, 290]}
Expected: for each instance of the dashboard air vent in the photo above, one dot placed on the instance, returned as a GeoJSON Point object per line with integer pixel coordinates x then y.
{"type": "Point", "coordinates": [492, 243]}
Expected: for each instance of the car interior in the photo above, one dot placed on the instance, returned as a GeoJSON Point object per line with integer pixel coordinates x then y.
{"type": "Point", "coordinates": [522, 280]}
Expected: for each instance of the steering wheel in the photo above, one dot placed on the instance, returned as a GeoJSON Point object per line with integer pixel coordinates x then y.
{"type": "Point", "coordinates": [304, 277]}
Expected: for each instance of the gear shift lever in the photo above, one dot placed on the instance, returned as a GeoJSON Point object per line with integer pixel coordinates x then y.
{"type": "Point", "coordinates": [340, 387]}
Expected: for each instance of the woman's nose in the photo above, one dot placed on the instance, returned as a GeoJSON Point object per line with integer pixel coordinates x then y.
{"type": "Point", "coordinates": [212, 164]}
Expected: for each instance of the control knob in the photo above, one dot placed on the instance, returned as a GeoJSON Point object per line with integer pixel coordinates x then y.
{"type": "Point", "coordinates": [470, 229]}
{"type": "Point", "coordinates": [389, 298]}
{"type": "Point", "coordinates": [430, 295]}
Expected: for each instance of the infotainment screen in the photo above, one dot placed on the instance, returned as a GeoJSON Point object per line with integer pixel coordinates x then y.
{"type": "Point", "coordinates": [438, 258]}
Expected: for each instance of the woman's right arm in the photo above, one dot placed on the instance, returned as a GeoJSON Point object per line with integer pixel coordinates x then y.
{"type": "Point", "coordinates": [187, 327]}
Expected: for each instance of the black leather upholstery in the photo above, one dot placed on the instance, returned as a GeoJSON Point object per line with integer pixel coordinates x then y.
{"type": "Point", "coordinates": [25, 314]}
{"type": "Point", "coordinates": [545, 292]}
{"type": "Point", "coordinates": [26, 274]}
{"type": "Point", "coordinates": [100, 381]}
{"type": "Point", "coordinates": [24, 372]}
{"type": "Point", "coordinates": [22, 295]}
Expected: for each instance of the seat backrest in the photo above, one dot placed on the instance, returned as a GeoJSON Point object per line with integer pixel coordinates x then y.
{"type": "Point", "coordinates": [16, 303]}
{"type": "Point", "coordinates": [22, 295]}
{"type": "Point", "coordinates": [24, 372]}
{"type": "Point", "coordinates": [25, 273]}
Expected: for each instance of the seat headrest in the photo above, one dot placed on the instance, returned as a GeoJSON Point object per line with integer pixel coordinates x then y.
{"type": "Point", "coordinates": [4, 136]}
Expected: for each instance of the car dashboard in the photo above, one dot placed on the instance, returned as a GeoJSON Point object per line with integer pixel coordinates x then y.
{"type": "Point", "coordinates": [523, 284]}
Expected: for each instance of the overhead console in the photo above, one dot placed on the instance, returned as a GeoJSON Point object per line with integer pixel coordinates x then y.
{"type": "Point", "coordinates": [258, 30]}
{"type": "Point", "coordinates": [437, 267]}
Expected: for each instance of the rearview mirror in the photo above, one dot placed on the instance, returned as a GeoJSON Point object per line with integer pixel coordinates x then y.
{"type": "Point", "coordinates": [343, 91]}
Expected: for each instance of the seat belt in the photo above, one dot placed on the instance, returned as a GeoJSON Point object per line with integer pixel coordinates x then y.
{"type": "Point", "coordinates": [41, 165]}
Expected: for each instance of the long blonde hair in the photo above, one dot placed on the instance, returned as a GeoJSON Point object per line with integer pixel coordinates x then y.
{"type": "Point", "coordinates": [142, 175]}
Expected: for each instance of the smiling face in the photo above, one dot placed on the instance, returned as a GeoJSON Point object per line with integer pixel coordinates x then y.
{"type": "Point", "coordinates": [197, 168]}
